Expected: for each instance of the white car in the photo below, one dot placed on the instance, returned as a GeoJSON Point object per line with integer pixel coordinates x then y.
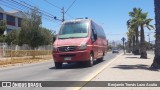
{"type": "Point", "coordinates": [115, 50]}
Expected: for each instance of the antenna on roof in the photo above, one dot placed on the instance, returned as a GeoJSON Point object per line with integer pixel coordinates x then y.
{"type": "Point", "coordinates": [79, 18]}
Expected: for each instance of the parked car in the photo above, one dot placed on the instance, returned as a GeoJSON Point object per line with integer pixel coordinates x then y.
{"type": "Point", "coordinates": [115, 50]}
{"type": "Point", "coordinates": [80, 40]}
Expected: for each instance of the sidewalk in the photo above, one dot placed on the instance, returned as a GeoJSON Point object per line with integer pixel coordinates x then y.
{"type": "Point", "coordinates": [128, 68]}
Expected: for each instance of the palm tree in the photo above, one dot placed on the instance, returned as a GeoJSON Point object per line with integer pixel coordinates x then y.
{"type": "Point", "coordinates": [139, 19]}
{"type": "Point", "coordinates": [156, 61]}
{"type": "Point", "coordinates": [143, 22]}
{"type": "Point", "coordinates": [133, 24]}
{"type": "Point", "coordinates": [131, 34]}
{"type": "Point", "coordinates": [131, 38]}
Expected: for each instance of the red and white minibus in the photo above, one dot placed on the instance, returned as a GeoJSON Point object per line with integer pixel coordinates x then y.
{"type": "Point", "coordinates": [79, 40]}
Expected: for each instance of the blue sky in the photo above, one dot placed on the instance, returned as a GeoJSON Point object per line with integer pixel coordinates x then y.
{"type": "Point", "coordinates": [111, 14]}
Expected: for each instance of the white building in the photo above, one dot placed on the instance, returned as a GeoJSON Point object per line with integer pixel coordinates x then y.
{"type": "Point", "coordinates": [13, 19]}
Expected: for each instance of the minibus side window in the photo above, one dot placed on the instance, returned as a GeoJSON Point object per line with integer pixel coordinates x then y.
{"type": "Point", "coordinates": [94, 34]}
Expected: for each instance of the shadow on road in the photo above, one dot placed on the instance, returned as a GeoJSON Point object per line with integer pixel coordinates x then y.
{"type": "Point", "coordinates": [132, 57]}
{"type": "Point", "coordinates": [136, 57]}
{"type": "Point", "coordinates": [138, 66]}
{"type": "Point", "coordinates": [129, 54]}
{"type": "Point", "coordinates": [79, 65]}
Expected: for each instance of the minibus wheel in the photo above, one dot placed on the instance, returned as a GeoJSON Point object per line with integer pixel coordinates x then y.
{"type": "Point", "coordinates": [58, 65]}
{"type": "Point", "coordinates": [90, 62]}
{"type": "Point", "coordinates": [101, 59]}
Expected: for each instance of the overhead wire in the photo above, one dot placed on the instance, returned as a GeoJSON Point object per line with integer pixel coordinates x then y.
{"type": "Point", "coordinates": [23, 6]}
{"type": "Point", "coordinates": [51, 19]}
{"type": "Point", "coordinates": [70, 6]}
{"type": "Point", "coordinates": [8, 6]}
{"type": "Point", "coordinates": [61, 8]}
{"type": "Point", "coordinates": [13, 6]}
{"type": "Point", "coordinates": [52, 4]}
{"type": "Point", "coordinates": [38, 9]}
{"type": "Point", "coordinates": [27, 6]}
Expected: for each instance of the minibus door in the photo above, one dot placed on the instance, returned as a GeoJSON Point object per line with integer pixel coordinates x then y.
{"type": "Point", "coordinates": [94, 43]}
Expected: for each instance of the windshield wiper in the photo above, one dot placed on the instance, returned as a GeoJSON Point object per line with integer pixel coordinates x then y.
{"type": "Point", "coordinates": [69, 37]}
{"type": "Point", "coordinates": [63, 38]}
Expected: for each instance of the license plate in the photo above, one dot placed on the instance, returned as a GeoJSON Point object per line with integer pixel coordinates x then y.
{"type": "Point", "coordinates": [67, 58]}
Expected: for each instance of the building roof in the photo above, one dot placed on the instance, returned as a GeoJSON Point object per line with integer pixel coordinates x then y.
{"type": "Point", "coordinates": [14, 11]}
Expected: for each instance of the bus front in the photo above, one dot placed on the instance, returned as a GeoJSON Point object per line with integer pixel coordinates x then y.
{"type": "Point", "coordinates": [71, 43]}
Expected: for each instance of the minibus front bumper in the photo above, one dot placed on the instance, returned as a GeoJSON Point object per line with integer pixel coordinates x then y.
{"type": "Point", "coordinates": [76, 56]}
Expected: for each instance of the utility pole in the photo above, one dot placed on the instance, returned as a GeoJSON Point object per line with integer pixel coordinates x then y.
{"type": "Point", "coordinates": [63, 14]}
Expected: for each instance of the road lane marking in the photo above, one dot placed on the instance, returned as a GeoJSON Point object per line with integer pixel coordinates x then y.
{"type": "Point", "coordinates": [94, 74]}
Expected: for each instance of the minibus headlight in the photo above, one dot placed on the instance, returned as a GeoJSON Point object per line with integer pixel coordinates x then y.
{"type": "Point", "coordinates": [54, 48]}
{"type": "Point", "coordinates": [83, 46]}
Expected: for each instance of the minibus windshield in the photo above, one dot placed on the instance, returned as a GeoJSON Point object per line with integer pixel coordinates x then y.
{"type": "Point", "coordinates": [73, 30]}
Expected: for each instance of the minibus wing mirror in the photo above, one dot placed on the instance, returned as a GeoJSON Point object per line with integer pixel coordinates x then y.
{"type": "Point", "coordinates": [54, 39]}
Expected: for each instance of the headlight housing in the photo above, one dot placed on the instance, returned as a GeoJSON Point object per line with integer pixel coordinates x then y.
{"type": "Point", "coordinates": [83, 46]}
{"type": "Point", "coordinates": [54, 48]}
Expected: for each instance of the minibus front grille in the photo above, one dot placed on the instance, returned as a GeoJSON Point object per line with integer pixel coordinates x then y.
{"type": "Point", "coordinates": [67, 48]}
{"type": "Point", "coordinates": [69, 55]}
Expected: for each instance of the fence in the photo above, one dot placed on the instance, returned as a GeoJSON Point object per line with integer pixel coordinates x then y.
{"type": "Point", "coordinates": [19, 52]}
{"type": "Point", "coordinates": [1, 50]}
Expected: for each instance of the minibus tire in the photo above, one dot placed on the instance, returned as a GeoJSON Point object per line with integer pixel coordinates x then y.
{"type": "Point", "coordinates": [58, 65]}
{"type": "Point", "coordinates": [101, 59]}
{"type": "Point", "coordinates": [90, 62]}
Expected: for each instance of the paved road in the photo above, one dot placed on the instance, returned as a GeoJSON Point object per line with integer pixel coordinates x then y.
{"type": "Point", "coordinates": [47, 72]}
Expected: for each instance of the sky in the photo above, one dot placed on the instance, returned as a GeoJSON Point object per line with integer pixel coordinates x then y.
{"type": "Point", "coordinates": [111, 14]}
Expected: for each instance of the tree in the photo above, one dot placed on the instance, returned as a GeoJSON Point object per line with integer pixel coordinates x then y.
{"type": "Point", "coordinates": [35, 39]}
{"type": "Point", "coordinates": [120, 46]}
{"type": "Point", "coordinates": [12, 37]}
{"type": "Point", "coordinates": [130, 35]}
{"type": "Point", "coordinates": [134, 25]}
{"type": "Point", "coordinates": [22, 39]}
{"type": "Point", "coordinates": [30, 29]}
{"type": "Point", "coordinates": [110, 47]}
{"type": "Point", "coordinates": [2, 26]}
{"type": "Point", "coordinates": [139, 19]}
{"type": "Point", "coordinates": [2, 29]}
{"type": "Point", "coordinates": [47, 36]}
{"type": "Point", "coordinates": [156, 61]}
{"type": "Point", "coordinates": [25, 28]}
{"type": "Point", "coordinates": [144, 22]}
{"type": "Point", "coordinates": [32, 33]}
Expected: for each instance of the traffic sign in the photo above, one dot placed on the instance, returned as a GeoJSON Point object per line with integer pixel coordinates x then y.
{"type": "Point", "coordinates": [123, 39]}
